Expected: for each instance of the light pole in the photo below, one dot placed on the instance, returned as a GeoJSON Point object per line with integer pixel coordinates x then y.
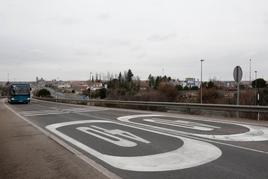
{"type": "Point", "coordinates": [90, 84]}
{"type": "Point", "coordinates": [257, 97]}
{"type": "Point", "coordinates": [250, 71]}
{"type": "Point", "coordinates": [201, 86]}
{"type": "Point", "coordinates": [256, 84]}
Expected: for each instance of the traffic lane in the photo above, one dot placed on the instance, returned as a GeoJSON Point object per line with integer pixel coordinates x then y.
{"type": "Point", "coordinates": [233, 164]}
{"type": "Point", "coordinates": [37, 105]}
{"type": "Point", "coordinates": [190, 125]}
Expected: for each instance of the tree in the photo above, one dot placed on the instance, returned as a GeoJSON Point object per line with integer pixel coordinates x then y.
{"type": "Point", "coordinates": [194, 88]}
{"type": "Point", "coordinates": [102, 93]}
{"type": "Point", "coordinates": [210, 84]}
{"type": "Point", "coordinates": [120, 77]}
{"type": "Point", "coordinates": [151, 81]}
{"type": "Point", "coordinates": [43, 93]}
{"type": "Point", "coordinates": [157, 82]}
{"type": "Point", "coordinates": [179, 87]}
{"type": "Point", "coordinates": [129, 75]}
{"type": "Point", "coordinates": [186, 88]}
{"type": "Point", "coordinates": [259, 83]}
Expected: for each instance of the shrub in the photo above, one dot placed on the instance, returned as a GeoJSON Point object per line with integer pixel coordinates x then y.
{"type": "Point", "coordinates": [43, 93]}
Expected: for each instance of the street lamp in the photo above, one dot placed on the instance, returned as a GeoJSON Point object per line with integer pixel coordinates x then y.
{"type": "Point", "coordinates": [256, 86]}
{"type": "Point", "coordinates": [257, 97]}
{"type": "Point", "coordinates": [250, 71]}
{"type": "Point", "coordinates": [201, 86]}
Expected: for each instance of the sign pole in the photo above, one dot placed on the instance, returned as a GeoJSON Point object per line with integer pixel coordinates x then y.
{"type": "Point", "coordinates": [237, 98]}
{"type": "Point", "coordinates": [238, 93]}
{"type": "Point", "coordinates": [238, 73]}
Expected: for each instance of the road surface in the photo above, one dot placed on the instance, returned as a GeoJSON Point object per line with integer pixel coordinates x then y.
{"type": "Point", "coordinates": [140, 144]}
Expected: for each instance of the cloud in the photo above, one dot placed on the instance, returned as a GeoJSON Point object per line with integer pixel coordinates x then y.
{"type": "Point", "coordinates": [104, 16]}
{"type": "Point", "coordinates": [160, 38]}
{"type": "Point", "coordinates": [63, 20]}
{"type": "Point", "coordinates": [88, 53]}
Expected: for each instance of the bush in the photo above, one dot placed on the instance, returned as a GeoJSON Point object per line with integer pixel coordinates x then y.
{"type": "Point", "coordinates": [168, 90]}
{"type": "Point", "coordinates": [194, 88]}
{"type": "Point", "coordinates": [212, 96]}
{"type": "Point", "coordinates": [259, 83]}
{"type": "Point", "coordinates": [43, 93]}
{"type": "Point", "coordinates": [179, 87]}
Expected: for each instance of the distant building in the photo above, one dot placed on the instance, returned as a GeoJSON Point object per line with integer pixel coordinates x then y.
{"type": "Point", "coordinates": [189, 82]}
{"type": "Point", "coordinates": [64, 86]}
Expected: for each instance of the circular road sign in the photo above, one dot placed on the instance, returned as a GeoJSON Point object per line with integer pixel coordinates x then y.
{"type": "Point", "coordinates": [237, 74]}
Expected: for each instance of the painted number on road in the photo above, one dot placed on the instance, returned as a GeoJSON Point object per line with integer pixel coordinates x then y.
{"type": "Point", "coordinates": [192, 153]}
{"type": "Point", "coordinates": [112, 136]}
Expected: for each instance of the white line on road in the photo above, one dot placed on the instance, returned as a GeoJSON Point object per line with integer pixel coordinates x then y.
{"type": "Point", "coordinates": [183, 124]}
{"type": "Point", "coordinates": [59, 111]}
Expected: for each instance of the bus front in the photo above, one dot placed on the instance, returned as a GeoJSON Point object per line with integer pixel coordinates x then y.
{"type": "Point", "coordinates": [19, 93]}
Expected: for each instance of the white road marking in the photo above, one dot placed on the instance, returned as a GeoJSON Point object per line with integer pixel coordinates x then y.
{"type": "Point", "coordinates": [192, 153]}
{"type": "Point", "coordinates": [113, 136]}
{"type": "Point", "coordinates": [59, 111]}
{"type": "Point", "coordinates": [255, 133]}
{"type": "Point", "coordinates": [183, 124]}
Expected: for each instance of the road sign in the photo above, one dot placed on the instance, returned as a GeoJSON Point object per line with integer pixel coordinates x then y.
{"type": "Point", "coordinates": [238, 73]}
{"type": "Point", "coordinates": [237, 77]}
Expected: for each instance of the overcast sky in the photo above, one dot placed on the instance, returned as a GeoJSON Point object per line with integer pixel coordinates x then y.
{"type": "Point", "coordinates": [68, 39]}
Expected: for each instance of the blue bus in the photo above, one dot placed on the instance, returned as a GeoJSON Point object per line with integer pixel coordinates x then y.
{"type": "Point", "coordinates": [19, 93]}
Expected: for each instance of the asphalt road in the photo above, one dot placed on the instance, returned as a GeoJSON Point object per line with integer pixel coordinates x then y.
{"type": "Point", "coordinates": [140, 144]}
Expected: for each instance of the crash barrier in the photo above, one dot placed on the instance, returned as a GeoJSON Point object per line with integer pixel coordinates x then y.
{"type": "Point", "coordinates": [247, 111]}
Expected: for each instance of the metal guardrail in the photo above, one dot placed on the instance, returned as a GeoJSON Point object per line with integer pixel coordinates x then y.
{"type": "Point", "coordinates": [173, 105]}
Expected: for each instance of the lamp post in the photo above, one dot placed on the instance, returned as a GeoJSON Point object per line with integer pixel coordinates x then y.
{"type": "Point", "coordinates": [201, 86]}
{"type": "Point", "coordinates": [257, 92]}
{"type": "Point", "coordinates": [250, 71]}
{"type": "Point", "coordinates": [256, 84]}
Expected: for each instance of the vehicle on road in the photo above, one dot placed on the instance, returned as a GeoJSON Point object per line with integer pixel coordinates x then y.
{"type": "Point", "coordinates": [19, 93]}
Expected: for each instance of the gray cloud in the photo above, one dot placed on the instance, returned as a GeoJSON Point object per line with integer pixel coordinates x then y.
{"type": "Point", "coordinates": [160, 38]}
{"type": "Point", "coordinates": [104, 16]}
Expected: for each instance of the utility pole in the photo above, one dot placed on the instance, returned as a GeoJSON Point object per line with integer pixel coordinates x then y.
{"type": "Point", "coordinates": [201, 86]}
{"type": "Point", "coordinates": [256, 84]}
{"type": "Point", "coordinates": [250, 71]}
{"type": "Point", "coordinates": [257, 92]}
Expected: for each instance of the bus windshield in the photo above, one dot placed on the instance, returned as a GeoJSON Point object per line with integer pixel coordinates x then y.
{"type": "Point", "coordinates": [20, 89]}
